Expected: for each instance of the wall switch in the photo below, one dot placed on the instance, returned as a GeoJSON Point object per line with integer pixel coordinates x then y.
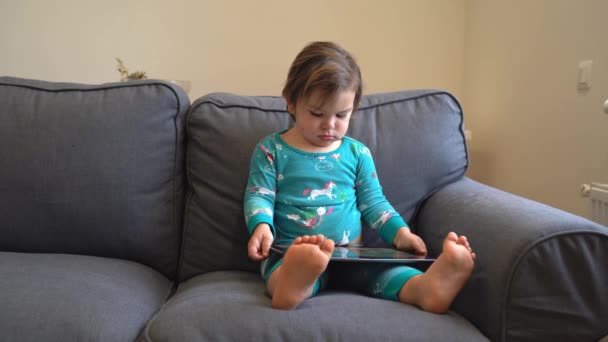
{"type": "Point", "coordinates": [584, 75]}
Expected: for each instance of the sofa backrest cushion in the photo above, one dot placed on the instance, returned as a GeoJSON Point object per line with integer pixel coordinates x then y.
{"type": "Point", "coordinates": [94, 170]}
{"type": "Point", "coordinates": [416, 139]}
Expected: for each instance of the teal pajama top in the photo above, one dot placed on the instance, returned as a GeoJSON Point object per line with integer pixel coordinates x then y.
{"type": "Point", "coordinates": [302, 193]}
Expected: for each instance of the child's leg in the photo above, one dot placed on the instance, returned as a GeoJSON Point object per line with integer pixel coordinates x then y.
{"type": "Point", "coordinates": [435, 290]}
{"type": "Point", "coordinates": [379, 280]}
{"type": "Point", "coordinates": [294, 280]}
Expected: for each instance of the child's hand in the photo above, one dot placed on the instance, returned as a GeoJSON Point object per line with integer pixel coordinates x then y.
{"type": "Point", "coordinates": [259, 243]}
{"type": "Point", "coordinates": [407, 241]}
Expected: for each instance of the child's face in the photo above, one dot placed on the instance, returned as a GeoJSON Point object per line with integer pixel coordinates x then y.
{"type": "Point", "coordinates": [322, 127]}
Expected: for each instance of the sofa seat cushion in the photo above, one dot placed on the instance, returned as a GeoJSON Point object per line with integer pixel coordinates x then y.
{"type": "Point", "coordinates": [233, 306]}
{"type": "Point", "coordinates": [59, 297]}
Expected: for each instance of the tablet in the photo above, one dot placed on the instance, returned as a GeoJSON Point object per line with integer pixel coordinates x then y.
{"type": "Point", "coordinates": [367, 254]}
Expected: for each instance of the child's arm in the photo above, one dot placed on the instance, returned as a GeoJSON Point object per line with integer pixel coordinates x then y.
{"type": "Point", "coordinates": [259, 200]}
{"type": "Point", "coordinates": [260, 242]}
{"type": "Point", "coordinates": [405, 240]}
{"type": "Point", "coordinates": [378, 212]}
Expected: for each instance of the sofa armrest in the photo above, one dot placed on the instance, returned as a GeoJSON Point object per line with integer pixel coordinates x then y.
{"type": "Point", "coordinates": [540, 274]}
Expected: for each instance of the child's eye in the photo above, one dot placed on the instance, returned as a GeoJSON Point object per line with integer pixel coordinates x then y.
{"type": "Point", "coordinates": [341, 116]}
{"type": "Point", "coordinates": [316, 114]}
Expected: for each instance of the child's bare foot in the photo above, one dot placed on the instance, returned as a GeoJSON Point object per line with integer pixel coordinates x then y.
{"type": "Point", "coordinates": [435, 290]}
{"type": "Point", "coordinates": [293, 281]}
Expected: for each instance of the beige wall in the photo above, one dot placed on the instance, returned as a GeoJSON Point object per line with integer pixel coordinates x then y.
{"type": "Point", "coordinates": [226, 45]}
{"type": "Point", "coordinates": [512, 64]}
{"type": "Point", "coordinates": [534, 134]}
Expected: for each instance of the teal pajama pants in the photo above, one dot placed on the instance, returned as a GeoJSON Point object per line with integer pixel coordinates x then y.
{"type": "Point", "coordinates": [379, 280]}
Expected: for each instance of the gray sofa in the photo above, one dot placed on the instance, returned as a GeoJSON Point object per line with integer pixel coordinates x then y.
{"type": "Point", "coordinates": [121, 219]}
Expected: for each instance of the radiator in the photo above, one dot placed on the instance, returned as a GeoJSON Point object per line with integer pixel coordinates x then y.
{"type": "Point", "coordinates": [598, 193]}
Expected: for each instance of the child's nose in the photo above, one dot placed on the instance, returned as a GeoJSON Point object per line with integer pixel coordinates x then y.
{"type": "Point", "coordinates": [329, 123]}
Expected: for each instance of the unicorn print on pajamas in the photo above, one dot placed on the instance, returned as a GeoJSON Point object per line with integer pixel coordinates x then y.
{"type": "Point", "coordinates": [318, 193]}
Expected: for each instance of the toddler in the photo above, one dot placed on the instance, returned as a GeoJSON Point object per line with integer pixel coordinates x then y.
{"type": "Point", "coordinates": [310, 186]}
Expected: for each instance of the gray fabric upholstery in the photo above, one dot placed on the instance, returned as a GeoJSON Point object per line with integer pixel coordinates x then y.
{"type": "Point", "coordinates": [541, 274]}
{"type": "Point", "coordinates": [99, 170]}
{"type": "Point", "coordinates": [421, 131]}
{"type": "Point", "coordinates": [56, 297]}
{"type": "Point", "coordinates": [233, 306]}
{"type": "Point", "coordinates": [94, 170]}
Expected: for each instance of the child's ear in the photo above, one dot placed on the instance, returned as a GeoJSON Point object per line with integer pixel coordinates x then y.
{"type": "Point", "coordinates": [291, 107]}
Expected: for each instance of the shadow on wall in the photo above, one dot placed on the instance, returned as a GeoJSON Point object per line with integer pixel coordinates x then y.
{"type": "Point", "coordinates": [480, 166]}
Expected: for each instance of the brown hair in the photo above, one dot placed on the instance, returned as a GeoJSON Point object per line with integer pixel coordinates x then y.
{"type": "Point", "coordinates": [323, 66]}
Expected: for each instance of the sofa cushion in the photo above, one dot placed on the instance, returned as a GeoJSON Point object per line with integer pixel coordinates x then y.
{"type": "Point", "coordinates": [57, 297]}
{"type": "Point", "coordinates": [94, 170]}
{"type": "Point", "coordinates": [415, 137]}
{"type": "Point", "coordinates": [233, 306]}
